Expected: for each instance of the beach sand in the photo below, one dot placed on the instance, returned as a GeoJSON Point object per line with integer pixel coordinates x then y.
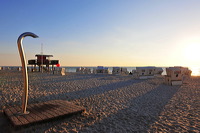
{"type": "Point", "coordinates": [114, 103]}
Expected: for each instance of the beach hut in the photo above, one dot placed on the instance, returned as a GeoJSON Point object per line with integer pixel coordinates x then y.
{"type": "Point", "coordinates": [158, 71]}
{"type": "Point", "coordinates": [150, 71]}
{"type": "Point", "coordinates": [59, 71]}
{"type": "Point", "coordinates": [134, 72]}
{"type": "Point", "coordinates": [94, 71]}
{"type": "Point", "coordinates": [174, 76]}
{"type": "Point", "coordinates": [83, 70]}
{"type": "Point", "coordinates": [101, 69]}
{"type": "Point", "coordinates": [185, 72]}
{"type": "Point", "coordinates": [141, 72]}
{"type": "Point", "coordinates": [105, 70]}
{"type": "Point", "coordinates": [116, 70]}
{"type": "Point", "coordinates": [62, 72]}
{"type": "Point", "coordinates": [145, 72]}
{"type": "Point", "coordinates": [120, 70]}
{"type": "Point", "coordinates": [124, 71]}
{"type": "Point", "coordinates": [80, 70]}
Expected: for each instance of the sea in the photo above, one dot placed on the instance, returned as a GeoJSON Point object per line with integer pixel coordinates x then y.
{"type": "Point", "coordinates": [195, 70]}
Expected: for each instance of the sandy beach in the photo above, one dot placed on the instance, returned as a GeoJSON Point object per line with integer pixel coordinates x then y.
{"type": "Point", "coordinates": [114, 103]}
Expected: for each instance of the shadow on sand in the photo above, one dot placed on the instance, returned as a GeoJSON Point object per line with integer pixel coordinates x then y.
{"type": "Point", "coordinates": [141, 113]}
{"type": "Point", "coordinates": [90, 91]}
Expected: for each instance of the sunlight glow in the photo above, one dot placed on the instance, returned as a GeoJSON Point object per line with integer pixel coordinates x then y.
{"type": "Point", "coordinates": [192, 53]}
{"type": "Point", "coordinates": [195, 71]}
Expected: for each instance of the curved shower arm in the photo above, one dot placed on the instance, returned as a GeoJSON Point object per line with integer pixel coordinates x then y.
{"type": "Point", "coordinates": [24, 69]}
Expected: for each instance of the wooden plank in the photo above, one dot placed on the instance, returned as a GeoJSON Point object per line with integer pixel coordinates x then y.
{"type": "Point", "coordinates": [57, 111]}
{"type": "Point", "coordinates": [29, 117]}
{"type": "Point", "coordinates": [50, 110]}
{"type": "Point", "coordinates": [37, 115]}
{"type": "Point", "coordinates": [63, 107]}
{"type": "Point", "coordinates": [14, 120]}
{"type": "Point", "coordinates": [34, 114]}
{"type": "Point", "coordinates": [42, 112]}
{"type": "Point", "coordinates": [38, 112]}
{"type": "Point", "coordinates": [19, 117]}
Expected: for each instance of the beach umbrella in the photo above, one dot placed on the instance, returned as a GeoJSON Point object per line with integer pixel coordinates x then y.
{"type": "Point", "coordinates": [24, 69]}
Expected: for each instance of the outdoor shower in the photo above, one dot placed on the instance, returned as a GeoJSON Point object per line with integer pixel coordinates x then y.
{"type": "Point", "coordinates": [24, 70]}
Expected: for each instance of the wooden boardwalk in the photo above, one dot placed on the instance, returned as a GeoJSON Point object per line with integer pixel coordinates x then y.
{"type": "Point", "coordinates": [42, 112]}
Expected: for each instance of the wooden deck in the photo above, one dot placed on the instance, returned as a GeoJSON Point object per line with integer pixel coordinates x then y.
{"type": "Point", "coordinates": [42, 112]}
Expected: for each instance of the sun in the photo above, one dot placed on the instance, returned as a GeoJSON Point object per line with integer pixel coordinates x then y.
{"type": "Point", "coordinates": [192, 52]}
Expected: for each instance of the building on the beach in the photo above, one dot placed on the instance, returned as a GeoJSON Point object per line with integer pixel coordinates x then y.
{"type": "Point", "coordinates": [120, 70]}
{"type": "Point", "coordinates": [43, 62]}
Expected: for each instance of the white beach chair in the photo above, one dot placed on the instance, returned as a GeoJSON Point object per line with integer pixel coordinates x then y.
{"type": "Point", "coordinates": [124, 71]}
{"type": "Point", "coordinates": [141, 72]}
{"type": "Point", "coordinates": [100, 69]}
{"type": "Point", "coordinates": [158, 71]}
{"type": "Point", "coordinates": [87, 71]}
{"type": "Point", "coordinates": [80, 70]}
{"type": "Point", "coordinates": [185, 72]}
{"type": "Point", "coordinates": [62, 71]}
{"type": "Point", "coordinates": [116, 70]}
{"type": "Point", "coordinates": [105, 70]}
{"type": "Point", "coordinates": [145, 72]}
{"type": "Point", "coordinates": [94, 71]}
{"type": "Point", "coordinates": [174, 76]}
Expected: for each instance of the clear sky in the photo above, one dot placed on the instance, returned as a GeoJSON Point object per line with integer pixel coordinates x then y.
{"type": "Point", "coordinates": [103, 32]}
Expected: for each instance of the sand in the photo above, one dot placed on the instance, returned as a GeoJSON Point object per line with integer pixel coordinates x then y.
{"type": "Point", "coordinates": [114, 103]}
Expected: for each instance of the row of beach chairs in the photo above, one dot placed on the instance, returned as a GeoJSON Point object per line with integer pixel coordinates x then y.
{"type": "Point", "coordinates": [83, 70]}
{"type": "Point", "coordinates": [147, 72]}
{"type": "Point", "coordinates": [11, 68]}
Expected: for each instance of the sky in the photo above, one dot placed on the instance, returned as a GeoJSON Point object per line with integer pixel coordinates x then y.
{"type": "Point", "coordinates": [103, 32]}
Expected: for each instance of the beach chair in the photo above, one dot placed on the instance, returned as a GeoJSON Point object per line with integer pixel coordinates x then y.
{"type": "Point", "coordinates": [80, 70]}
{"type": "Point", "coordinates": [116, 70]}
{"type": "Point", "coordinates": [100, 69]}
{"type": "Point", "coordinates": [174, 76]}
{"type": "Point", "coordinates": [83, 70]}
{"type": "Point", "coordinates": [105, 70]}
{"type": "Point", "coordinates": [141, 72]}
{"type": "Point", "coordinates": [62, 71]}
{"type": "Point", "coordinates": [158, 71]}
{"type": "Point", "coordinates": [145, 72]}
{"type": "Point", "coordinates": [124, 71]}
{"type": "Point", "coordinates": [185, 72]}
{"type": "Point", "coordinates": [87, 71]}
